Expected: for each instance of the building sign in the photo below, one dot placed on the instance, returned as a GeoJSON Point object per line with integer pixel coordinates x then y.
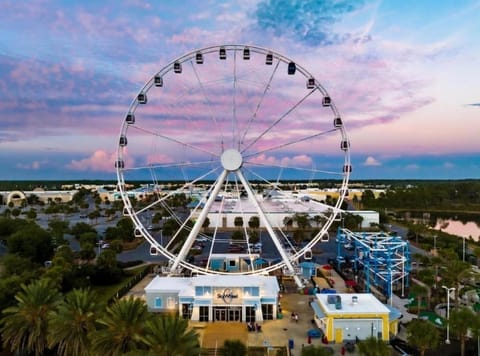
{"type": "Point", "coordinates": [226, 295]}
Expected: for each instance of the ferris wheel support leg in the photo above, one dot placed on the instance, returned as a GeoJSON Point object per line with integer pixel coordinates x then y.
{"type": "Point", "coordinates": [199, 223]}
{"type": "Point", "coordinates": [268, 226]}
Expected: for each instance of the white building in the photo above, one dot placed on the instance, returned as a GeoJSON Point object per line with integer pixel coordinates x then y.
{"type": "Point", "coordinates": [344, 317]}
{"type": "Point", "coordinates": [236, 298]}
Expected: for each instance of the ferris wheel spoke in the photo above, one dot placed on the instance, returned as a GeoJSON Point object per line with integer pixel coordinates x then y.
{"type": "Point", "coordinates": [276, 122]}
{"type": "Point", "coordinates": [284, 167]}
{"type": "Point", "coordinates": [254, 115]}
{"type": "Point", "coordinates": [172, 193]}
{"type": "Point", "coordinates": [209, 104]}
{"type": "Point", "coordinates": [290, 143]}
{"type": "Point", "coordinates": [177, 141]}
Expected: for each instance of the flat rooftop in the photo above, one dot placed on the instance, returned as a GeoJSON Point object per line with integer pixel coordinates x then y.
{"type": "Point", "coordinates": [366, 303]}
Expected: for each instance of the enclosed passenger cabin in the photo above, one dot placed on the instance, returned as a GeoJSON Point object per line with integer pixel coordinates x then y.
{"type": "Point", "coordinates": [308, 255]}
{"type": "Point", "coordinates": [130, 119]}
{"type": "Point", "coordinates": [246, 53]}
{"type": "Point", "coordinates": [325, 237]}
{"type": "Point", "coordinates": [347, 168]}
{"type": "Point", "coordinates": [153, 251]}
{"type": "Point", "coordinates": [292, 67]}
{"type": "Point", "coordinates": [138, 232]}
{"type": "Point", "coordinates": [126, 211]}
{"type": "Point", "coordinates": [142, 98]}
{"type": "Point", "coordinates": [158, 80]}
{"type": "Point", "coordinates": [177, 67]}
{"type": "Point", "coordinates": [122, 141]}
{"type": "Point", "coordinates": [337, 122]}
{"type": "Point", "coordinates": [326, 101]}
{"type": "Point", "coordinates": [269, 59]}
{"type": "Point", "coordinates": [222, 53]}
{"type": "Point", "coordinates": [344, 145]}
{"type": "Point", "coordinates": [119, 164]}
{"type": "Point", "coordinates": [310, 83]}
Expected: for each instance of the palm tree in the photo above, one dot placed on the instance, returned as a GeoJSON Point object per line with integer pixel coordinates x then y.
{"type": "Point", "coordinates": [121, 328]}
{"type": "Point", "coordinates": [312, 350]}
{"type": "Point", "coordinates": [461, 321]}
{"type": "Point", "coordinates": [169, 336]}
{"type": "Point", "coordinates": [420, 292]}
{"type": "Point", "coordinates": [79, 311]}
{"type": "Point", "coordinates": [234, 348]}
{"type": "Point", "coordinates": [372, 346]}
{"type": "Point", "coordinates": [25, 325]}
{"type": "Point", "coordinates": [423, 335]}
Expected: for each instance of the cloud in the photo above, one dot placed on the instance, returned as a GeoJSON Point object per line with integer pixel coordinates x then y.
{"type": "Point", "coordinates": [412, 166]}
{"type": "Point", "coordinates": [35, 165]}
{"type": "Point", "coordinates": [448, 165]}
{"type": "Point", "coordinates": [371, 162]}
{"type": "Point", "coordinates": [295, 161]}
{"type": "Point", "coordinates": [309, 21]}
{"type": "Point", "coordinates": [99, 161]}
{"type": "Point", "coordinates": [474, 104]}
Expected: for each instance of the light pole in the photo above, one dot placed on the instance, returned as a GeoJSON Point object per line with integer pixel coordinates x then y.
{"type": "Point", "coordinates": [161, 237]}
{"type": "Point", "coordinates": [463, 248]}
{"type": "Point", "coordinates": [447, 341]}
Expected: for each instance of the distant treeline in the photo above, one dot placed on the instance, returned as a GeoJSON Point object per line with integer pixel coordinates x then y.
{"type": "Point", "coordinates": [299, 184]}
{"type": "Point", "coordinates": [461, 196]}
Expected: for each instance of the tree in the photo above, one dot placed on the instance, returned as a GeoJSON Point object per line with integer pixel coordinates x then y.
{"type": "Point", "coordinates": [422, 334]}
{"type": "Point", "coordinates": [372, 346]}
{"type": "Point", "coordinates": [169, 335]}
{"type": "Point", "coordinates": [420, 292]}
{"type": "Point", "coordinates": [121, 328]}
{"type": "Point", "coordinates": [312, 350]}
{"type": "Point", "coordinates": [254, 222]}
{"type": "Point", "coordinates": [25, 325]}
{"type": "Point", "coordinates": [72, 322]}
{"type": "Point", "coordinates": [234, 348]}
{"type": "Point", "coordinates": [238, 221]}
{"type": "Point", "coordinates": [461, 320]}
{"type": "Point", "coordinates": [31, 242]}
{"type": "Point", "coordinates": [237, 235]}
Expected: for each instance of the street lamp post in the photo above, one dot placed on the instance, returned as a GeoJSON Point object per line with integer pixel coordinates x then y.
{"type": "Point", "coordinates": [447, 341]}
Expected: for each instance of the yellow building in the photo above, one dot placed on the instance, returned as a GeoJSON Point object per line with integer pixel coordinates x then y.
{"type": "Point", "coordinates": [344, 317]}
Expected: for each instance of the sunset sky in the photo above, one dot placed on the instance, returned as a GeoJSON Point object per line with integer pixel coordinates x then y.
{"type": "Point", "coordinates": [405, 76]}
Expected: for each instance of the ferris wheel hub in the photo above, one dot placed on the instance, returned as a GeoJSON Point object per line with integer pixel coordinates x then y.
{"type": "Point", "coordinates": [231, 160]}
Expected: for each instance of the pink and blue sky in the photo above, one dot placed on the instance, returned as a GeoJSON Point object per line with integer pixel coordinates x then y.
{"type": "Point", "coordinates": [405, 75]}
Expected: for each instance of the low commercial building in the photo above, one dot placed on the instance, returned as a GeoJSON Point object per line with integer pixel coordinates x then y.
{"type": "Point", "coordinates": [351, 317]}
{"type": "Point", "coordinates": [215, 297]}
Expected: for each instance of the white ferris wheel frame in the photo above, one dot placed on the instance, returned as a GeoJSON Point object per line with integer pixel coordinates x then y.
{"type": "Point", "coordinates": [231, 161]}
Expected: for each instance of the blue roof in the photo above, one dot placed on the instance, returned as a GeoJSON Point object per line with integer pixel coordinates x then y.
{"type": "Point", "coordinates": [318, 311]}
{"type": "Point", "coordinates": [394, 313]}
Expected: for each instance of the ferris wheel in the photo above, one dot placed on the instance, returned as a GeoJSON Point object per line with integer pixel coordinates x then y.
{"type": "Point", "coordinates": [217, 158]}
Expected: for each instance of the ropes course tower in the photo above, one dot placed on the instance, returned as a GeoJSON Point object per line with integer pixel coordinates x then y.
{"type": "Point", "coordinates": [222, 128]}
{"type": "Point", "coordinates": [383, 259]}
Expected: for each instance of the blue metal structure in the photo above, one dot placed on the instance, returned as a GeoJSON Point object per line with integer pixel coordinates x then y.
{"type": "Point", "coordinates": [384, 258]}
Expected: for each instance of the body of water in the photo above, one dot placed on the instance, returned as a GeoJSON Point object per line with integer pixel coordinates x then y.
{"type": "Point", "coordinates": [456, 227]}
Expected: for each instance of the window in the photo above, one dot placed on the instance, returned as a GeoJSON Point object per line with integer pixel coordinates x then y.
{"type": "Point", "coordinates": [187, 310]}
{"type": "Point", "coordinates": [202, 291]}
{"type": "Point", "coordinates": [158, 302]}
{"type": "Point", "coordinates": [251, 291]}
{"type": "Point", "coordinates": [250, 314]}
{"type": "Point", "coordinates": [204, 313]}
{"type": "Point", "coordinates": [267, 311]}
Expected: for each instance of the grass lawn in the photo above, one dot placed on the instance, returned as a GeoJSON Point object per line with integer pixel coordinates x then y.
{"type": "Point", "coordinates": [106, 292]}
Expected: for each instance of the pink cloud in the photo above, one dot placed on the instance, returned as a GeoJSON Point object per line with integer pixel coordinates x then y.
{"type": "Point", "coordinates": [98, 161]}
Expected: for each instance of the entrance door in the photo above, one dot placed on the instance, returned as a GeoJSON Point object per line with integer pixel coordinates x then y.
{"type": "Point", "coordinates": [220, 314]}
{"type": "Point", "coordinates": [234, 314]}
